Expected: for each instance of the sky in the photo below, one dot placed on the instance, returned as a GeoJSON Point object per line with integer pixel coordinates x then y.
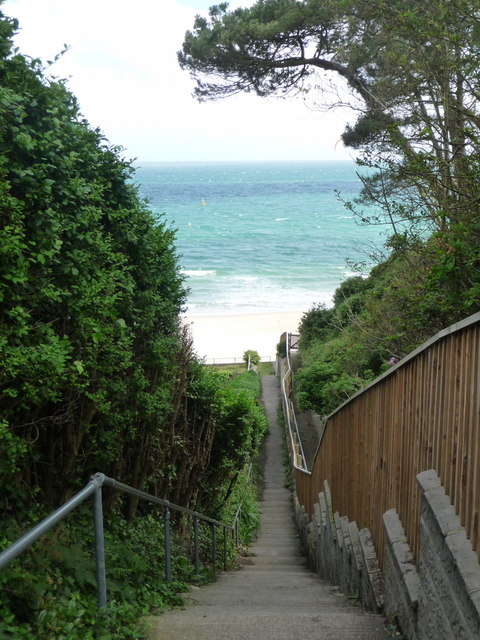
{"type": "Point", "coordinates": [122, 66]}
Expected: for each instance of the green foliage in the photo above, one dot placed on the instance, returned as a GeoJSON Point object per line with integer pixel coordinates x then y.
{"type": "Point", "coordinates": [50, 591]}
{"type": "Point", "coordinates": [282, 347]}
{"type": "Point", "coordinates": [251, 356]}
{"type": "Point", "coordinates": [90, 290]}
{"type": "Point", "coordinates": [353, 286]}
{"type": "Point", "coordinates": [406, 298]}
{"type": "Point", "coordinates": [237, 438]}
{"type": "Point", "coordinates": [266, 369]}
{"type": "Point", "coordinates": [96, 371]}
{"type": "Point", "coordinates": [228, 369]}
{"type": "Point", "coordinates": [246, 496]}
{"type": "Point", "coordinates": [246, 381]}
{"type": "Point", "coordinates": [334, 372]}
{"type": "Point", "coordinates": [315, 325]}
{"type": "Point", "coordinates": [263, 368]}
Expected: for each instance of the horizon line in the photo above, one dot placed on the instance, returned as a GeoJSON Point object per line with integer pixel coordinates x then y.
{"type": "Point", "coordinates": [276, 161]}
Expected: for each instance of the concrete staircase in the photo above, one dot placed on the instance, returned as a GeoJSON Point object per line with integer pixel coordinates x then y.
{"type": "Point", "coordinates": [274, 596]}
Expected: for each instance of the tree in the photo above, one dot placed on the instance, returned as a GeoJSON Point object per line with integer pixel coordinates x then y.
{"type": "Point", "coordinates": [274, 46]}
{"type": "Point", "coordinates": [251, 357]}
{"type": "Point", "coordinates": [411, 64]}
{"type": "Point", "coordinates": [407, 67]}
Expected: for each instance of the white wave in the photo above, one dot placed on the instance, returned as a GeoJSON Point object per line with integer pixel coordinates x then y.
{"type": "Point", "coordinates": [279, 219]}
{"type": "Point", "coordinates": [199, 273]}
{"type": "Point", "coordinates": [244, 278]}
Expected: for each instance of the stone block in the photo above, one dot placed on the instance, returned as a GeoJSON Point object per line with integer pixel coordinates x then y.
{"type": "Point", "coordinates": [323, 509]}
{"type": "Point", "coordinates": [322, 554]}
{"type": "Point", "coordinates": [339, 555]}
{"type": "Point", "coordinates": [355, 559]}
{"type": "Point", "coordinates": [317, 517]}
{"type": "Point", "coordinates": [328, 502]}
{"type": "Point", "coordinates": [330, 537]}
{"type": "Point", "coordinates": [349, 568]}
{"type": "Point", "coordinates": [372, 577]}
{"type": "Point", "coordinates": [339, 552]}
{"type": "Point", "coordinates": [356, 546]}
{"type": "Point", "coordinates": [428, 480]}
{"type": "Point", "coordinates": [402, 582]}
{"type": "Point", "coordinates": [449, 570]}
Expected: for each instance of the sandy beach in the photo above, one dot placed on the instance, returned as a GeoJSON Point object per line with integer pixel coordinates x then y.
{"type": "Point", "coordinates": [224, 338]}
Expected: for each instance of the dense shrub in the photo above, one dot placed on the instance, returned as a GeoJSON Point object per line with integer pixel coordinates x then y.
{"type": "Point", "coordinates": [89, 286]}
{"type": "Point", "coordinates": [96, 371]}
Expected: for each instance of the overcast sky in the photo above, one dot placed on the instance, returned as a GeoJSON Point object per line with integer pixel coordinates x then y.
{"type": "Point", "coordinates": [122, 66]}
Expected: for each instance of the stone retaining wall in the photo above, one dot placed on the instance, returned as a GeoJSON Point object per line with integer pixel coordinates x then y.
{"type": "Point", "coordinates": [340, 553]}
{"type": "Point", "coordinates": [438, 601]}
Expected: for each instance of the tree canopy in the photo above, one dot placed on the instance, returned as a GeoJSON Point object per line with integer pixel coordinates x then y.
{"type": "Point", "coordinates": [410, 73]}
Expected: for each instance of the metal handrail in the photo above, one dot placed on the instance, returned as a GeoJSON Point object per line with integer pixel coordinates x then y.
{"type": "Point", "coordinates": [94, 487]}
{"type": "Point", "coordinates": [297, 434]}
{"type": "Point", "coordinates": [293, 434]}
{"type": "Point", "coordinates": [47, 523]}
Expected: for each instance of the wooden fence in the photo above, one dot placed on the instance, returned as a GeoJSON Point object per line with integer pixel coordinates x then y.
{"type": "Point", "coordinates": [422, 414]}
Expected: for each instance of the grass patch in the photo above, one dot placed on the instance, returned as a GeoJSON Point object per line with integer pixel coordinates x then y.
{"type": "Point", "coordinates": [247, 381]}
{"type": "Point", "coordinates": [231, 369]}
{"type": "Point", "coordinates": [263, 368]}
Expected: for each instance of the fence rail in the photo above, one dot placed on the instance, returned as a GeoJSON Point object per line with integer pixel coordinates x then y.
{"type": "Point", "coordinates": [95, 487]}
{"type": "Point", "coordinates": [233, 360]}
{"type": "Point", "coordinates": [424, 413]}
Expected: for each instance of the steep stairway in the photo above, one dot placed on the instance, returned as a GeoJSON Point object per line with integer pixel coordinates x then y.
{"type": "Point", "coordinates": [274, 596]}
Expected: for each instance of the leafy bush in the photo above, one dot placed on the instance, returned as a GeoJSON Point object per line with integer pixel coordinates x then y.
{"type": "Point", "coordinates": [50, 590]}
{"type": "Point", "coordinates": [248, 381]}
{"type": "Point", "coordinates": [239, 432]}
{"type": "Point", "coordinates": [246, 496]}
{"type": "Point", "coordinates": [251, 356]}
{"type": "Point", "coordinates": [316, 325]}
{"type": "Point", "coordinates": [406, 298]}
{"type": "Point", "coordinates": [90, 291]}
{"type": "Point", "coordinates": [96, 371]}
{"type": "Point", "coordinates": [282, 347]}
{"type": "Point", "coordinates": [323, 386]}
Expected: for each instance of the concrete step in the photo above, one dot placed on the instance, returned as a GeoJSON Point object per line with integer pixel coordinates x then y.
{"type": "Point", "coordinates": [273, 596]}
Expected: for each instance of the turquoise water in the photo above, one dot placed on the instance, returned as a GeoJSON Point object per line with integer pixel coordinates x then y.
{"type": "Point", "coordinates": [258, 237]}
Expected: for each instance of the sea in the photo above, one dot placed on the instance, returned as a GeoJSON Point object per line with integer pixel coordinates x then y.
{"type": "Point", "coordinates": [256, 237]}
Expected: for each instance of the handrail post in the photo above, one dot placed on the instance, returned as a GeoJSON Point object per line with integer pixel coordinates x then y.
{"type": "Point", "coordinates": [94, 487]}
{"type": "Point", "coordinates": [195, 543]}
{"type": "Point", "coordinates": [214, 547]}
{"type": "Point", "coordinates": [168, 556]}
{"type": "Point", "coordinates": [99, 548]}
{"type": "Point", "coordinates": [224, 549]}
